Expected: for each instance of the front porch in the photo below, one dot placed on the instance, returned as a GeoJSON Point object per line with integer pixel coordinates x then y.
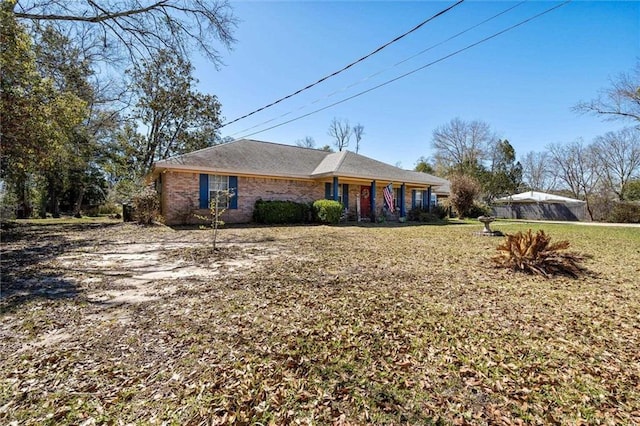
{"type": "Point", "coordinates": [373, 200]}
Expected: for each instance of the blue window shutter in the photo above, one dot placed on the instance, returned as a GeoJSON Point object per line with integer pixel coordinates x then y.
{"type": "Point", "coordinates": [413, 198]}
{"type": "Point", "coordinates": [372, 197]}
{"type": "Point", "coordinates": [426, 199]}
{"type": "Point", "coordinates": [204, 191]}
{"type": "Point", "coordinates": [327, 191]}
{"type": "Point", "coordinates": [233, 187]}
{"type": "Point", "coordinates": [345, 195]}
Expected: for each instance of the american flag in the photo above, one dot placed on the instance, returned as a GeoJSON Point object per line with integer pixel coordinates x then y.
{"type": "Point", "coordinates": [388, 196]}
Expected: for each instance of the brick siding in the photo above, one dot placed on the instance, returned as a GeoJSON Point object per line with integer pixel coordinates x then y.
{"type": "Point", "coordinates": [181, 199]}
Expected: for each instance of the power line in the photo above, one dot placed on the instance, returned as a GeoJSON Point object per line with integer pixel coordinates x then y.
{"type": "Point", "coordinates": [417, 27]}
{"type": "Point", "coordinates": [413, 71]}
{"type": "Point", "coordinates": [383, 70]}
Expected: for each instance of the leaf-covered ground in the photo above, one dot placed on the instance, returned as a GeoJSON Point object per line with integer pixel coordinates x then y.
{"type": "Point", "coordinates": [110, 323]}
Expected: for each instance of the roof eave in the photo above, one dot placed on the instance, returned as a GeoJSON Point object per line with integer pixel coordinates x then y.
{"type": "Point", "coordinates": [372, 178]}
{"type": "Point", "coordinates": [210, 170]}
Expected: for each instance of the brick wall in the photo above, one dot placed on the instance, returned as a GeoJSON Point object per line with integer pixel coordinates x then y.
{"type": "Point", "coordinates": [181, 195]}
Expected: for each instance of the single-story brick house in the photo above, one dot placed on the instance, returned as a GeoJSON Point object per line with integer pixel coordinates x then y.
{"type": "Point", "coordinates": [255, 170]}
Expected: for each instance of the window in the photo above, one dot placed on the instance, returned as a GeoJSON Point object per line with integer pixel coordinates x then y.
{"type": "Point", "coordinates": [211, 185]}
{"type": "Point", "coordinates": [217, 184]}
{"type": "Point", "coordinates": [418, 199]}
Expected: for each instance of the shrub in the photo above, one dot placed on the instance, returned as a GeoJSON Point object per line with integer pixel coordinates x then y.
{"type": "Point", "coordinates": [625, 212]}
{"type": "Point", "coordinates": [478, 210]}
{"type": "Point", "coordinates": [109, 208]}
{"type": "Point", "coordinates": [414, 214]}
{"type": "Point", "coordinates": [146, 207]}
{"type": "Point", "coordinates": [440, 211]}
{"type": "Point", "coordinates": [421, 214]}
{"type": "Point", "coordinates": [464, 190]}
{"type": "Point", "coordinates": [535, 254]}
{"type": "Point", "coordinates": [428, 217]}
{"type": "Point", "coordinates": [91, 212]}
{"type": "Point", "coordinates": [328, 211]}
{"type": "Point", "coordinates": [274, 212]}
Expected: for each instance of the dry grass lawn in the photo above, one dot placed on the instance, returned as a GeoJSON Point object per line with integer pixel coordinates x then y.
{"type": "Point", "coordinates": [110, 323]}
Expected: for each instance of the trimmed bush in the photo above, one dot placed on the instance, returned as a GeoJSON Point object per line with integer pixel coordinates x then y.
{"type": "Point", "coordinates": [625, 212]}
{"type": "Point", "coordinates": [427, 217]}
{"type": "Point", "coordinates": [440, 211]}
{"type": "Point", "coordinates": [421, 214]}
{"type": "Point", "coordinates": [277, 212]}
{"type": "Point", "coordinates": [328, 211]}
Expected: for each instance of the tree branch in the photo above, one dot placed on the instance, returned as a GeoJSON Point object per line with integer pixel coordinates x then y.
{"type": "Point", "coordinates": [105, 16]}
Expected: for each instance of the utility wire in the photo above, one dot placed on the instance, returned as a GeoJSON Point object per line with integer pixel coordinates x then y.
{"type": "Point", "coordinates": [333, 74]}
{"type": "Point", "coordinates": [413, 71]}
{"type": "Point", "coordinates": [381, 71]}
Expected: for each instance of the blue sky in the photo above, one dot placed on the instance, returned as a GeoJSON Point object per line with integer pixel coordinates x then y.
{"type": "Point", "coordinates": [523, 83]}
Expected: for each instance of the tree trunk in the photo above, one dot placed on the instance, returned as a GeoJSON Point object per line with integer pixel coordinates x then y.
{"type": "Point", "coordinates": [78, 205]}
{"type": "Point", "coordinates": [24, 202]}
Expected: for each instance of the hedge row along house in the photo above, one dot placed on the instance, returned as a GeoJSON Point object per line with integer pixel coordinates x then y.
{"type": "Point", "coordinates": [254, 170]}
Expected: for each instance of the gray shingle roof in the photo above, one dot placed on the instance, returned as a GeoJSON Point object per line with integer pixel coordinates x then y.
{"type": "Point", "coordinates": [249, 157]}
{"type": "Point", "coordinates": [252, 157]}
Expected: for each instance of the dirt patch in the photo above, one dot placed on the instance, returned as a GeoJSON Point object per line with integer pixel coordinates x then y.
{"type": "Point", "coordinates": [144, 272]}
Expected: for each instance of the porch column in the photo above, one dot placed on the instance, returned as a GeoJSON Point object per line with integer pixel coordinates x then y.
{"type": "Point", "coordinates": [402, 201]}
{"type": "Point", "coordinates": [335, 188]}
{"type": "Point", "coordinates": [372, 198]}
{"type": "Point", "coordinates": [429, 199]}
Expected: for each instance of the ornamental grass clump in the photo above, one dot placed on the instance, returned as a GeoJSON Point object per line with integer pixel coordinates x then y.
{"type": "Point", "coordinates": [535, 254]}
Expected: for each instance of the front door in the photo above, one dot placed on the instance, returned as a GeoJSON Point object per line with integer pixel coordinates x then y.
{"type": "Point", "coordinates": [365, 201]}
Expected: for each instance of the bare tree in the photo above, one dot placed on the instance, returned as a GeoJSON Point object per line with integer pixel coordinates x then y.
{"type": "Point", "coordinates": [340, 131]}
{"type": "Point", "coordinates": [618, 154]}
{"type": "Point", "coordinates": [307, 142]}
{"type": "Point", "coordinates": [459, 143]}
{"type": "Point", "coordinates": [358, 132]}
{"type": "Point", "coordinates": [536, 173]}
{"type": "Point", "coordinates": [620, 101]}
{"type": "Point", "coordinates": [139, 28]}
{"type": "Point", "coordinates": [576, 166]}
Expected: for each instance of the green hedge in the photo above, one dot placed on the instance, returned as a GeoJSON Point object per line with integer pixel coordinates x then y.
{"type": "Point", "coordinates": [278, 212]}
{"type": "Point", "coordinates": [328, 211]}
{"type": "Point", "coordinates": [422, 214]}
